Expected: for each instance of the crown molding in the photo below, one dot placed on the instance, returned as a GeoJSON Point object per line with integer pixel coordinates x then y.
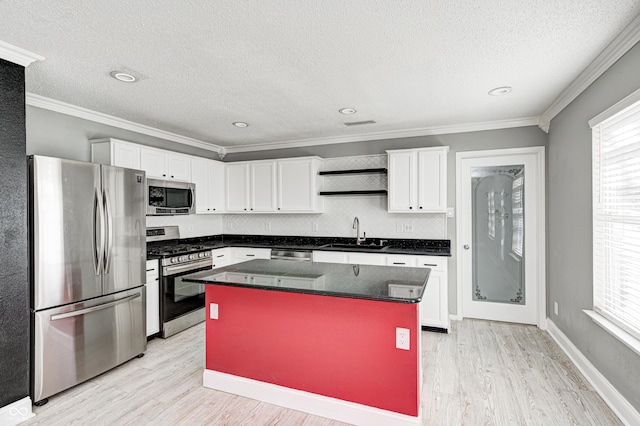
{"type": "Point", "coordinates": [87, 114]}
{"type": "Point", "coordinates": [17, 55]}
{"type": "Point", "coordinates": [409, 133]}
{"type": "Point", "coordinates": [620, 45]}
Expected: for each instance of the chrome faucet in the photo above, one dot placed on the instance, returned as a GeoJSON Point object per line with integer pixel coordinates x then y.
{"type": "Point", "coordinates": [356, 226]}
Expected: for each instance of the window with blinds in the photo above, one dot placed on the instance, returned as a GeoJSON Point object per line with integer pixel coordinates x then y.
{"type": "Point", "coordinates": [616, 216]}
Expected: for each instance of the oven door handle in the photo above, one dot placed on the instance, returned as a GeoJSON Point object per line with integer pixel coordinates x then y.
{"type": "Point", "coordinates": [177, 269]}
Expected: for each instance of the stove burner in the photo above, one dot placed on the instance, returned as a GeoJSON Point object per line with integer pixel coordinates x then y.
{"type": "Point", "coordinates": [175, 249]}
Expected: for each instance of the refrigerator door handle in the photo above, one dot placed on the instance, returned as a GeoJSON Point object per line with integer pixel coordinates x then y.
{"type": "Point", "coordinates": [109, 233]}
{"type": "Point", "coordinates": [94, 308]}
{"type": "Point", "coordinates": [98, 232]}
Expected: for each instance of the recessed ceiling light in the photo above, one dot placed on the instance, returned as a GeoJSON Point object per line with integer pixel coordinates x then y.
{"type": "Point", "coordinates": [499, 91]}
{"type": "Point", "coordinates": [123, 76]}
{"type": "Point", "coordinates": [347, 111]}
{"type": "Point", "coordinates": [241, 124]}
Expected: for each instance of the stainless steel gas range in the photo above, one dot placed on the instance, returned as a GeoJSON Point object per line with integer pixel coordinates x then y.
{"type": "Point", "coordinates": [181, 303]}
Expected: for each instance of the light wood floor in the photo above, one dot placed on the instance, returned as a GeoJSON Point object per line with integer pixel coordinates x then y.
{"type": "Point", "coordinates": [483, 373]}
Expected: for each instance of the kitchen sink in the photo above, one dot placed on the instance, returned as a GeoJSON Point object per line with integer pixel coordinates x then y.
{"type": "Point", "coordinates": [353, 246]}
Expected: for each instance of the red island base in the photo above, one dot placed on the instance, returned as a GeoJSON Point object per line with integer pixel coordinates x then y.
{"type": "Point", "coordinates": [334, 357]}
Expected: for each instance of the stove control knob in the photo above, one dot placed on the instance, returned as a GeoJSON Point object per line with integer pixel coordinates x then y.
{"type": "Point", "coordinates": [182, 258]}
{"type": "Point", "coordinates": [192, 256]}
{"type": "Point", "coordinates": [201, 254]}
{"type": "Point", "coordinates": [207, 254]}
{"type": "Point", "coordinates": [174, 260]}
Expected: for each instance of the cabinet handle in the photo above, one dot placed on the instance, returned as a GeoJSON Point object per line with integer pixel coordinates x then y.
{"type": "Point", "coordinates": [278, 208]}
{"type": "Point", "coordinates": [398, 263]}
{"type": "Point", "coordinates": [152, 269]}
{"type": "Point", "coordinates": [250, 255]}
{"type": "Point", "coordinates": [251, 209]}
{"type": "Point", "coordinates": [245, 210]}
{"type": "Point", "coordinates": [410, 207]}
{"type": "Point", "coordinates": [171, 176]}
{"type": "Point", "coordinates": [220, 255]}
{"type": "Point", "coordinates": [429, 264]}
{"type": "Point", "coordinates": [164, 175]}
{"type": "Point", "coordinates": [420, 207]}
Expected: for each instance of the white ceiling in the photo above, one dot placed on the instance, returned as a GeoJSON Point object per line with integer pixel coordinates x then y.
{"type": "Point", "coordinates": [287, 66]}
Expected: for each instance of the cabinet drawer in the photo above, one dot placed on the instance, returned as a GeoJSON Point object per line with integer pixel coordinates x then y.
{"type": "Point", "coordinates": [329, 257]}
{"type": "Point", "coordinates": [400, 260]}
{"type": "Point", "coordinates": [434, 262]}
{"type": "Point", "coordinates": [365, 258]}
{"type": "Point", "coordinates": [247, 253]}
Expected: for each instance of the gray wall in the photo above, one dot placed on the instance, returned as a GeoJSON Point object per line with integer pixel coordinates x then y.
{"type": "Point", "coordinates": [569, 265]}
{"type": "Point", "coordinates": [14, 288]}
{"type": "Point", "coordinates": [64, 136]}
{"type": "Point", "coordinates": [473, 141]}
{"type": "Point", "coordinates": [60, 135]}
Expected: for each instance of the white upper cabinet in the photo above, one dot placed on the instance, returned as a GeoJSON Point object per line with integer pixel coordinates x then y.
{"type": "Point", "coordinates": [237, 187]}
{"type": "Point", "coordinates": [418, 180]}
{"type": "Point", "coordinates": [262, 187]}
{"type": "Point", "coordinates": [298, 185]}
{"type": "Point", "coordinates": [115, 152]}
{"type": "Point", "coordinates": [160, 164]}
{"type": "Point", "coordinates": [208, 175]}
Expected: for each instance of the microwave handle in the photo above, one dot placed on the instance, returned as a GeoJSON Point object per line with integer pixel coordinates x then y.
{"type": "Point", "coordinates": [191, 196]}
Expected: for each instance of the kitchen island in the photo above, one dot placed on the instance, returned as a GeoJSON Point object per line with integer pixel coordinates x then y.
{"type": "Point", "coordinates": [334, 340]}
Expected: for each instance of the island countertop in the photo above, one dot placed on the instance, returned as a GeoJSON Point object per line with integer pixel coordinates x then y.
{"type": "Point", "coordinates": [382, 283]}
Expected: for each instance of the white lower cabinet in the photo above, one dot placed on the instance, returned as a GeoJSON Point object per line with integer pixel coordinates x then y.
{"type": "Point", "coordinates": [434, 307]}
{"type": "Point", "coordinates": [221, 257]}
{"type": "Point", "coordinates": [244, 254]}
{"type": "Point", "coordinates": [153, 297]}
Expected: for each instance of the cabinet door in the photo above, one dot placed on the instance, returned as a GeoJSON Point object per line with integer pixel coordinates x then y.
{"type": "Point", "coordinates": [263, 187]}
{"type": "Point", "coordinates": [402, 182]}
{"type": "Point", "coordinates": [125, 155]}
{"type": "Point", "coordinates": [216, 186]}
{"type": "Point", "coordinates": [297, 186]}
{"type": "Point", "coordinates": [329, 257]}
{"type": "Point", "coordinates": [433, 308]}
{"type": "Point", "coordinates": [178, 167]}
{"type": "Point", "coordinates": [154, 162]}
{"type": "Point", "coordinates": [153, 298]}
{"type": "Point", "coordinates": [200, 176]}
{"type": "Point", "coordinates": [432, 175]}
{"type": "Point", "coordinates": [365, 258]}
{"type": "Point", "coordinates": [237, 187]}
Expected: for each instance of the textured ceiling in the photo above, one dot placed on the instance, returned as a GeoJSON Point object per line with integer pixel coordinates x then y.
{"type": "Point", "coordinates": [287, 66]}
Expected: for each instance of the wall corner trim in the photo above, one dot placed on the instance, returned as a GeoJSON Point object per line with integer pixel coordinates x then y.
{"type": "Point", "coordinates": [16, 412]}
{"type": "Point", "coordinates": [87, 114]}
{"type": "Point", "coordinates": [17, 55]}
{"type": "Point", "coordinates": [408, 133]}
{"type": "Point", "coordinates": [620, 45]}
{"type": "Point", "coordinates": [618, 403]}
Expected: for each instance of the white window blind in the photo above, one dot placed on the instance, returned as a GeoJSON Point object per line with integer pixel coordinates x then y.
{"type": "Point", "coordinates": [616, 218]}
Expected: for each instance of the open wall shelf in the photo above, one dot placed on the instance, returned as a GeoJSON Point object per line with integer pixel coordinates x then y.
{"type": "Point", "coordinates": [364, 192]}
{"type": "Point", "coordinates": [354, 172]}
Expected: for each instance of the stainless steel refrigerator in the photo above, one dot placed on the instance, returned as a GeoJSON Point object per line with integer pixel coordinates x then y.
{"type": "Point", "coordinates": [87, 270]}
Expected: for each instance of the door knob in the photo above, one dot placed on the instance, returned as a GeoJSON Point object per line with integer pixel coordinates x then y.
{"type": "Point", "coordinates": [466, 246]}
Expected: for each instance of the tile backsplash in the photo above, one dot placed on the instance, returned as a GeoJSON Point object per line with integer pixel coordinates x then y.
{"type": "Point", "coordinates": [339, 211]}
{"type": "Point", "coordinates": [337, 219]}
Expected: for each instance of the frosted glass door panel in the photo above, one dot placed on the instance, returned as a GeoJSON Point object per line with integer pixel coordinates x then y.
{"type": "Point", "coordinates": [498, 234]}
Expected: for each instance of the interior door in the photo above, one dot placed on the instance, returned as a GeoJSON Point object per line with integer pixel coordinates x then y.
{"type": "Point", "coordinates": [125, 250]}
{"type": "Point", "coordinates": [499, 237]}
{"type": "Point", "coordinates": [65, 223]}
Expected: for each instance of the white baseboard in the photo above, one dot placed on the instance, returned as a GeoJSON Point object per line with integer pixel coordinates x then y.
{"type": "Point", "coordinates": [323, 406]}
{"type": "Point", "coordinates": [16, 412]}
{"type": "Point", "coordinates": [618, 403]}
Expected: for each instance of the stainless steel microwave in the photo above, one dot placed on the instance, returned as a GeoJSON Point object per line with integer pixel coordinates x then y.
{"type": "Point", "coordinates": [170, 198]}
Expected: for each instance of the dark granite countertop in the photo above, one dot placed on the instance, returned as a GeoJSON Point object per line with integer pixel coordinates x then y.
{"type": "Point", "coordinates": [372, 245]}
{"type": "Point", "coordinates": [400, 285]}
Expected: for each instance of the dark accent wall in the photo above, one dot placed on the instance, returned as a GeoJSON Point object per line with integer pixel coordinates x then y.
{"type": "Point", "coordinates": [14, 295]}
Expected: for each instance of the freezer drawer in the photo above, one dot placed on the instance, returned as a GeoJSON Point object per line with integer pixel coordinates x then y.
{"type": "Point", "coordinates": [74, 343]}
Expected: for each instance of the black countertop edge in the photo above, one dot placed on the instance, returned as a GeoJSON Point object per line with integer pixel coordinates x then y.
{"type": "Point", "coordinates": [310, 292]}
{"type": "Point", "coordinates": [394, 245]}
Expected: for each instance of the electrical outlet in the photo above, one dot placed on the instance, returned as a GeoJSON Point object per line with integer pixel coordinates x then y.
{"type": "Point", "coordinates": [230, 226]}
{"type": "Point", "coordinates": [213, 311]}
{"type": "Point", "coordinates": [555, 308]}
{"type": "Point", "coordinates": [399, 227]}
{"type": "Point", "coordinates": [408, 227]}
{"type": "Point", "coordinates": [450, 212]}
{"type": "Point", "coordinates": [267, 226]}
{"type": "Point", "coordinates": [402, 339]}
{"type": "Point", "coordinates": [314, 226]}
